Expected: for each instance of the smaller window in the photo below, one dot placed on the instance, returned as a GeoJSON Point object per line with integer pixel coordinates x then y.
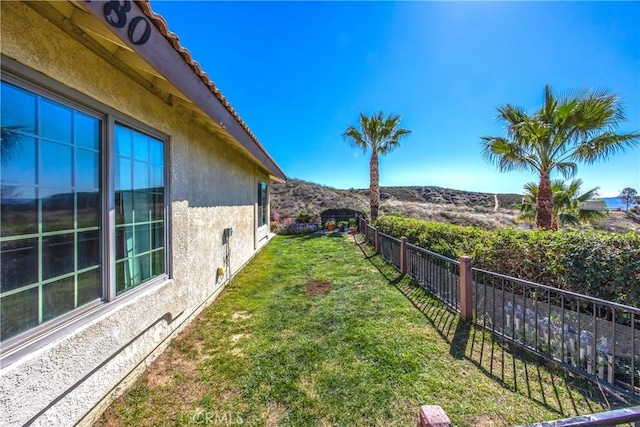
{"type": "Point", "coordinates": [263, 203]}
{"type": "Point", "coordinates": [139, 196]}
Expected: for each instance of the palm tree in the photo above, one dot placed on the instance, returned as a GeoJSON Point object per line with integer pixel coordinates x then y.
{"type": "Point", "coordinates": [567, 203]}
{"type": "Point", "coordinates": [578, 127]}
{"type": "Point", "coordinates": [381, 135]}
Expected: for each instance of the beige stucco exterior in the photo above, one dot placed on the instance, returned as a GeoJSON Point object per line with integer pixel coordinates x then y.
{"type": "Point", "coordinates": [212, 187]}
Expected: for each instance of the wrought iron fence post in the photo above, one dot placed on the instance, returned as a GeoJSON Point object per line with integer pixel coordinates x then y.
{"type": "Point", "coordinates": [377, 239]}
{"type": "Point", "coordinates": [403, 255]}
{"type": "Point", "coordinates": [466, 288]}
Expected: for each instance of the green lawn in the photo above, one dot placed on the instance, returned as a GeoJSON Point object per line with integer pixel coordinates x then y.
{"type": "Point", "coordinates": [368, 352]}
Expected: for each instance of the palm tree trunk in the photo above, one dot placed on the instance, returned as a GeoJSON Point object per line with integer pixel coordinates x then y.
{"type": "Point", "coordinates": [374, 186]}
{"type": "Point", "coordinates": [544, 203]}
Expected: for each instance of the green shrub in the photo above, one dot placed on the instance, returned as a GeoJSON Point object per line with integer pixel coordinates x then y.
{"type": "Point", "coordinates": [601, 265]}
{"type": "Point", "coordinates": [305, 217]}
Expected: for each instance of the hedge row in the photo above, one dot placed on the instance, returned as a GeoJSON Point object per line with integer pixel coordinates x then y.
{"type": "Point", "coordinates": [601, 265]}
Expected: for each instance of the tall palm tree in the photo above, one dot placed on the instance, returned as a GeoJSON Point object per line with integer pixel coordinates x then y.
{"type": "Point", "coordinates": [577, 127]}
{"type": "Point", "coordinates": [567, 203]}
{"type": "Point", "coordinates": [381, 135]}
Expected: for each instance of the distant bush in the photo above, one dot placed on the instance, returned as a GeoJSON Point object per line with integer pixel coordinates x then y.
{"type": "Point", "coordinates": [296, 228]}
{"type": "Point", "coordinates": [601, 265]}
{"type": "Point", "coordinates": [340, 214]}
{"type": "Point", "coordinates": [305, 217]}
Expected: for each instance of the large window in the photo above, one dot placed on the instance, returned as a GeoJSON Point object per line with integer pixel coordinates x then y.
{"type": "Point", "coordinates": [263, 204]}
{"type": "Point", "coordinates": [53, 240]}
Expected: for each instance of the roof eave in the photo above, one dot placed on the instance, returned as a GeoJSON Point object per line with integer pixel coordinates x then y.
{"type": "Point", "coordinates": [163, 52]}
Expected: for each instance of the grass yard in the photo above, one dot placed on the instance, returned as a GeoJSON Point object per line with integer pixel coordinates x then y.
{"type": "Point", "coordinates": [321, 331]}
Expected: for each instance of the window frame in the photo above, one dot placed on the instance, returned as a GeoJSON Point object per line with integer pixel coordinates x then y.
{"type": "Point", "coordinates": [40, 335]}
{"type": "Point", "coordinates": [263, 204]}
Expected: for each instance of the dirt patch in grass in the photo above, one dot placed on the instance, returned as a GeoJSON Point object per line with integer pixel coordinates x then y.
{"type": "Point", "coordinates": [274, 414]}
{"type": "Point", "coordinates": [318, 287]}
{"type": "Point", "coordinates": [240, 315]}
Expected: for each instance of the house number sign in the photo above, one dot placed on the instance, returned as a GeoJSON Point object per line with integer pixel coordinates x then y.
{"type": "Point", "coordinates": [138, 29]}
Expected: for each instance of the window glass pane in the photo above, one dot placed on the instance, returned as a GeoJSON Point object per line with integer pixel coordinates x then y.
{"type": "Point", "coordinates": [87, 168]}
{"type": "Point", "coordinates": [19, 211]}
{"type": "Point", "coordinates": [18, 109]}
{"type": "Point", "coordinates": [265, 203]}
{"type": "Point", "coordinates": [88, 210]}
{"type": "Point", "coordinates": [19, 266]}
{"type": "Point", "coordinates": [123, 177]}
{"type": "Point", "coordinates": [142, 269]}
{"type": "Point", "coordinates": [55, 121]}
{"type": "Point", "coordinates": [18, 312]}
{"type": "Point", "coordinates": [124, 207]}
{"type": "Point", "coordinates": [158, 262]}
{"type": "Point", "coordinates": [89, 286]}
{"type": "Point", "coordinates": [57, 298]}
{"type": "Point", "coordinates": [88, 249]}
{"type": "Point", "coordinates": [17, 158]}
{"type": "Point", "coordinates": [121, 280]}
{"type": "Point", "coordinates": [140, 147]}
{"type": "Point", "coordinates": [157, 200]}
{"type": "Point", "coordinates": [124, 242]}
{"type": "Point", "coordinates": [156, 152]}
{"type": "Point", "coordinates": [57, 209]}
{"type": "Point", "coordinates": [123, 141]}
{"type": "Point", "coordinates": [158, 235]}
{"type": "Point", "coordinates": [157, 177]}
{"type": "Point", "coordinates": [262, 204]}
{"type": "Point", "coordinates": [57, 255]}
{"type": "Point", "coordinates": [140, 175]}
{"type": "Point", "coordinates": [142, 206]}
{"type": "Point", "coordinates": [55, 165]}
{"type": "Point", "coordinates": [143, 238]}
{"type": "Point", "coordinates": [86, 129]}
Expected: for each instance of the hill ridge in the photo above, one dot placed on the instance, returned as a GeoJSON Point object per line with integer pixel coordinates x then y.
{"type": "Point", "coordinates": [426, 202]}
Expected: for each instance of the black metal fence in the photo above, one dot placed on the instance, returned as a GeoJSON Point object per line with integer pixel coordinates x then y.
{"type": "Point", "coordinates": [437, 274]}
{"type": "Point", "coordinates": [623, 416]}
{"type": "Point", "coordinates": [370, 234]}
{"type": "Point", "coordinates": [390, 249]}
{"type": "Point", "coordinates": [597, 339]}
{"type": "Point", "coordinates": [593, 337]}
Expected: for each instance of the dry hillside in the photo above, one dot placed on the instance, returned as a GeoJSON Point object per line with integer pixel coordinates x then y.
{"type": "Point", "coordinates": [432, 203]}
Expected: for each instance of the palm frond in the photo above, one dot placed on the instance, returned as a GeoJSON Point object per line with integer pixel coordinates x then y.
{"type": "Point", "coordinates": [376, 132]}
{"type": "Point", "coordinates": [567, 169]}
{"type": "Point", "coordinates": [355, 138]}
{"type": "Point", "coordinates": [507, 155]}
{"type": "Point", "coordinates": [605, 145]}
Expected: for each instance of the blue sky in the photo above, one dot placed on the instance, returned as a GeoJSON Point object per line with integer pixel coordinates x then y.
{"type": "Point", "coordinates": [299, 73]}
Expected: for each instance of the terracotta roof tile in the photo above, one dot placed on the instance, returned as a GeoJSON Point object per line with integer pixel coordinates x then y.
{"type": "Point", "coordinates": [174, 40]}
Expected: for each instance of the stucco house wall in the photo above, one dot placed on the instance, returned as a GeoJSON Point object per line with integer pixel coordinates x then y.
{"type": "Point", "coordinates": [211, 186]}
